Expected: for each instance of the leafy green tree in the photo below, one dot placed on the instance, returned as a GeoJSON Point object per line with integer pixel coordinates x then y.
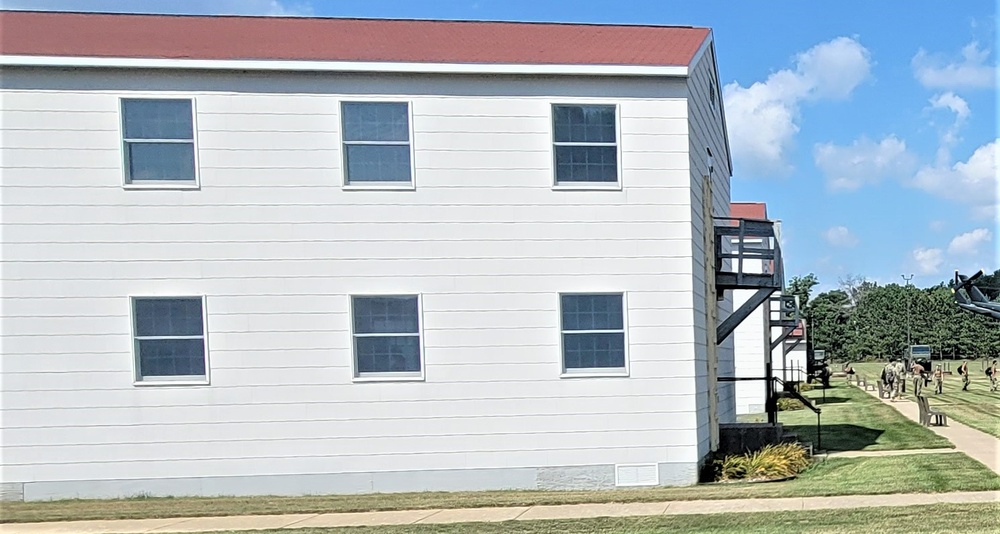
{"type": "Point", "coordinates": [864, 320]}
{"type": "Point", "coordinates": [801, 286]}
{"type": "Point", "coordinates": [828, 322]}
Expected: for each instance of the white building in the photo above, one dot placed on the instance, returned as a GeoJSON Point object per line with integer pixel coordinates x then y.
{"type": "Point", "coordinates": [288, 256]}
{"type": "Point", "coordinates": [762, 329]}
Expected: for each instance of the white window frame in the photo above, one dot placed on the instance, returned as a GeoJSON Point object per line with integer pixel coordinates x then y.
{"type": "Point", "coordinates": [356, 375]}
{"type": "Point", "coordinates": [159, 184]}
{"type": "Point", "coordinates": [585, 186]}
{"type": "Point", "coordinates": [594, 372]}
{"type": "Point", "coordinates": [193, 380]}
{"type": "Point", "coordinates": [375, 186]}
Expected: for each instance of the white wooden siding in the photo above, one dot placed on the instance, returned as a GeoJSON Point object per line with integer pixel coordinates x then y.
{"type": "Point", "coordinates": [277, 247]}
{"type": "Point", "coordinates": [706, 131]}
{"type": "Point", "coordinates": [750, 355]}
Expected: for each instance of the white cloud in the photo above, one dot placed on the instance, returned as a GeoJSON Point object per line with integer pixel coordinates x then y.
{"type": "Point", "coordinates": [287, 9]}
{"type": "Point", "coordinates": [840, 236]}
{"type": "Point", "coordinates": [953, 102]}
{"type": "Point", "coordinates": [972, 70]}
{"type": "Point", "coordinates": [762, 119]}
{"type": "Point", "coordinates": [949, 136]}
{"type": "Point", "coordinates": [284, 8]}
{"type": "Point", "coordinates": [973, 182]}
{"type": "Point", "coordinates": [863, 161]}
{"type": "Point", "coordinates": [936, 225]}
{"type": "Point", "coordinates": [968, 243]}
{"type": "Point", "coordinates": [928, 260]}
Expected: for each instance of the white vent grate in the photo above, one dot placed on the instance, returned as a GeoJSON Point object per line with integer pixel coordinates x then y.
{"type": "Point", "coordinates": [637, 475]}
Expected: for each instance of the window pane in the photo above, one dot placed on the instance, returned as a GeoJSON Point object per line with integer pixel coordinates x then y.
{"type": "Point", "coordinates": [592, 312]}
{"type": "Point", "coordinates": [171, 357]}
{"type": "Point", "coordinates": [157, 119]}
{"type": "Point", "coordinates": [168, 317]}
{"type": "Point", "coordinates": [376, 121]}
{"type": "Point", "coordinates": [385, 315]}
{"type": "Point", "coordinates": [584, 124]}
{"type": "Point", "coordinates": [589, 351]}
{"type": "Point", "coordinates": [160, 161]}
{"type": "Point", "coordinates": [586, 164]}
{"type": "Point", "coordinates": [388, 354]}
{"type": "Point", "coordinates": [378, 163]}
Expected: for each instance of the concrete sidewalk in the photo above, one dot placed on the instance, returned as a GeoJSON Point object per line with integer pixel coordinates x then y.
{"type": "Point", "coordinates": [977, 444]}
{"type": "Point", "coordinates": [493, 515]}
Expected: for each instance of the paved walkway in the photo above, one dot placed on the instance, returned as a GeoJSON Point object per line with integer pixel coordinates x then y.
{"type": "Point", "coordinates": [493, 515]}
{"type": "Point", "coordinates": [975, 443]}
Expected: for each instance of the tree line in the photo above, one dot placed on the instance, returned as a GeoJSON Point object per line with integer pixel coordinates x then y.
{"type": "Point", "coordinates": [863, 320]}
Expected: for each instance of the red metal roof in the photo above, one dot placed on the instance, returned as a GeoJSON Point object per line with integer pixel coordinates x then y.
{"type": "Point", "coordinates": [748, 210]}
{"type": "Point", "coordinates": [800, 330]}
{"type": "Point", "coordinates": [329, 39]}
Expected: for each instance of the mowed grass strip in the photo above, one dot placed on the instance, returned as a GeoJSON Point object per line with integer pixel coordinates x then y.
{"type": "Point", "coordinates": [942, 518]}
{"type": "Point", "coordinates": [930, 473]}
{"type": "Point", "coordinates": [853, 420]}
{"type": "Point", "coordinates": [978, 407]}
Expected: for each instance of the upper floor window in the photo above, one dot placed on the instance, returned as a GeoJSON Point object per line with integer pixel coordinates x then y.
{"type": "Point", "coordinates": [376, 143]}
{"type": "Point", "coordinates": [387, 336]}
{"type": "Point", "coordinates": [586, 144]}
{"type": "Point", "coordinates": [158, 138]}
{"type": "Point", "coordinates": [169, 339]}
{"type": "Point", "coordinates": [593, 332]}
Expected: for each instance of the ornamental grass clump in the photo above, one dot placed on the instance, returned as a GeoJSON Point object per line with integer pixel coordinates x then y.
{"type": "Point", "coordinates": [770, 463]}
{"type": "Point", "coordinates": [786, 404]}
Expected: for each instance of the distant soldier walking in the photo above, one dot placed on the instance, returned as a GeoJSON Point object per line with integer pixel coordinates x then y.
{"type": "Point", "coordinates": [889, 380]}
{"type": "Point", "coordinates": [918, 378]}
{"type": "Point", "coordinates": [938, 381]}
{"type": "Point", "coordinates": [964, 371]}
{"type": "Point", "coordinates": [900, 377]}
{"type": "Point", "coordinates": [992, 371]}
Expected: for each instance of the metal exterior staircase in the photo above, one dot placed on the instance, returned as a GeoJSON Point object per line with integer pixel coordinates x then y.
{"type": "Point", "coordinates": [747, 256]}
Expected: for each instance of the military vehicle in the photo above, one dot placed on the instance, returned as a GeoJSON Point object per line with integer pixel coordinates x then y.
{"type": "Point", "coordinates": [817, 367]}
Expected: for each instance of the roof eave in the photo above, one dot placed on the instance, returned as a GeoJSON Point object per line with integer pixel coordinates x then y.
{"type": "Point", "coordinates": [343, 66]}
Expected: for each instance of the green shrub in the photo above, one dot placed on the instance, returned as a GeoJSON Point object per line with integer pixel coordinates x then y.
{"type": "Point", "coordinates": [771, 462]}
{"type": "Point", "coordinates": [786, 404]}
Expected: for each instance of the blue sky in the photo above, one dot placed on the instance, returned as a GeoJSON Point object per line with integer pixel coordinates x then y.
{"type": "Point", "coordinates": [869, 128]}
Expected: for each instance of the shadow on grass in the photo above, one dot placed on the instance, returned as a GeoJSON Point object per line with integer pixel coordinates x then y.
{"type": "Point", "coordinates": [818, 401]}
{"type": "Point", "coordinates": [837, 438]}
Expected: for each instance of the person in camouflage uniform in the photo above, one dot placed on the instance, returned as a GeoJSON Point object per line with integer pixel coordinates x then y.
{"type": "Point", "coordinates": [938, 381]}
{"type": "Point", "coordinates": [900, 370]}
{"type": "Point", "coordinates": [964, 371]}
{"type": "Point", "coordinates": [889, 380]}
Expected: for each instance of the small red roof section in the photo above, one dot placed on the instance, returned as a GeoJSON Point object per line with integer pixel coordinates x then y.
{"type": "Point", "coordinates": [799, 331]}
{"type": "Point", "coordinates": [748, 210]}
{"type": "Point", "coordinates": [330, 39]}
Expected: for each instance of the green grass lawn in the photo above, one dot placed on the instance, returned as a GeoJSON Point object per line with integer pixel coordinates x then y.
{"type": "Point", "coordinates": [939, 519]}
{"type": "Point", "coordinates": [978, 407]}
{"type": "Point", "coordinates": [853, 420]}
{"type": "Point", "coordinates": [932, 473]}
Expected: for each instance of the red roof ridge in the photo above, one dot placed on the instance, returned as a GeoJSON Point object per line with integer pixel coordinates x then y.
{"type": "Point", "coordinates": [748, 210]}
{"type": "Point", "coordinates": [380, 19]}
{"type": "Point", "coordinates": [239, 37]}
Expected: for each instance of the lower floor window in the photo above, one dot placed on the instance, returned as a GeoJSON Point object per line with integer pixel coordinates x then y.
{"type": "Point", "coordinates": [593, 332]}
{"type": "Point", "coordinates": [387, 336]}
{"type": "Point", "coordinates": [169, 338]}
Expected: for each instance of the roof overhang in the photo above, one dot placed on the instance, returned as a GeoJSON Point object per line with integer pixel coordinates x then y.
{"type": "Point", "coordinates": [342, 66]}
